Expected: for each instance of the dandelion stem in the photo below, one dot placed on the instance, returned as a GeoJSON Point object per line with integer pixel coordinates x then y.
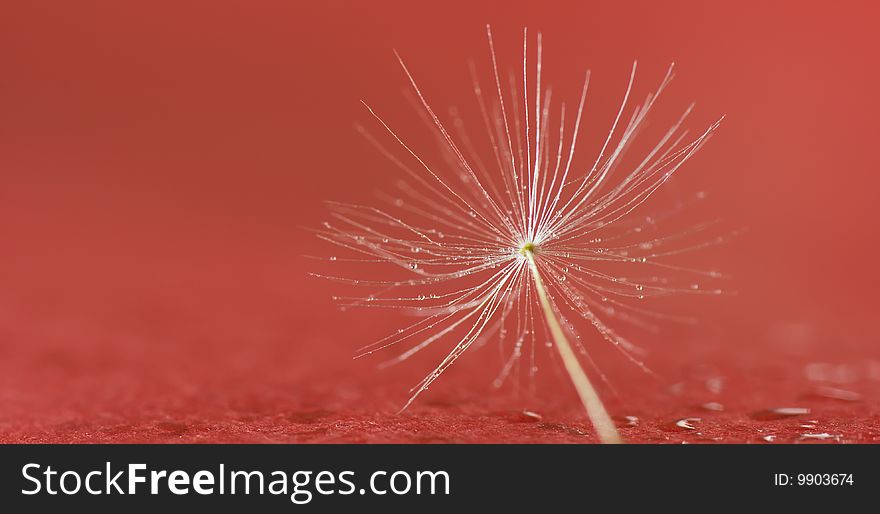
{"type": "Point", "coordinates": [602, 422]}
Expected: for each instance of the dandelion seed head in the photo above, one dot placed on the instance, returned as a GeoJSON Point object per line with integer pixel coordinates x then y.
{"type": "Point", "coordinates": [480, 229]}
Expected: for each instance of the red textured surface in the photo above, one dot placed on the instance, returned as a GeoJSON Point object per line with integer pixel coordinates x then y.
{"type": "Point", "coordinates": [158, 160]}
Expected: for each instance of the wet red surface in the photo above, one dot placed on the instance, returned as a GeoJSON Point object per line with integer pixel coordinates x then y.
{"type": "Point", "coordinates": [157, 165]}
{"type": "Point", "coordinates": [136, 359]}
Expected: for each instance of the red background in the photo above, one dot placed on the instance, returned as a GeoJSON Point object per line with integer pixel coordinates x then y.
{"type": "Point", "coordinates": [159, 160]}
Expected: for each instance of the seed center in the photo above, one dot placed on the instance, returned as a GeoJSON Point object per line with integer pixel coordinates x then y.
{"type": "Point", "coordinates": [528, 248]}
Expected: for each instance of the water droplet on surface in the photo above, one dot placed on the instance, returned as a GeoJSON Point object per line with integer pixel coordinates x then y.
{"type": "Point", "coordinates": [531, 416]}
{"type": "Point", "coordinates": [626, 421]}
{"type": "Point", "coordinates": [713, 406]}
{"type": "Point", "coordinates": [823, 436]}
{"type": "Point", "coordinates": [769, 438]}
{"type": "Point", "coordinates": [687, 423]}
{"type": "Point", "coordinates": [332, 258]}
{"type": "Point", "coordinates": [780, 413]}
{"type": "Point", "coordinates": [640, 287]}
{"type": "Point", "coordinates": [413, 265]}
{"type": "Point", "coordinates": [836, 393]}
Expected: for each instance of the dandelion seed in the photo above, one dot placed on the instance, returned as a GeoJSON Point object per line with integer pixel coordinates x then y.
{"type": "Point", "coordinates": [513, 239]}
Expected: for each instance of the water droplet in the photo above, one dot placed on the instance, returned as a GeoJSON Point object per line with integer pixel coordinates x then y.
{"type": "Point", "coordinates": [780, 413]}
{"type": "Point", "coordinates": [823, 436]}
{"type": "Point", "coordinates": [413, 265]}
{"type": "Point", "coordinates": [687, 423]}
{"type": "Point", "coordinates": [531, 416]}
{"type": "Point", "coordinates": [640, 287]}
{"type": "Point", "coordinates": [835, 393]}
{"type": "Point", "coordinates": [713, 406]}
{"type": "Point", "coordinates": [769, 438]}
{"type": "Point", "coordinates": [695, 286]}
{"type": "Point", "coordinates": [626, 421]}
{"type": "Point", "coordinates": [332, 258]}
